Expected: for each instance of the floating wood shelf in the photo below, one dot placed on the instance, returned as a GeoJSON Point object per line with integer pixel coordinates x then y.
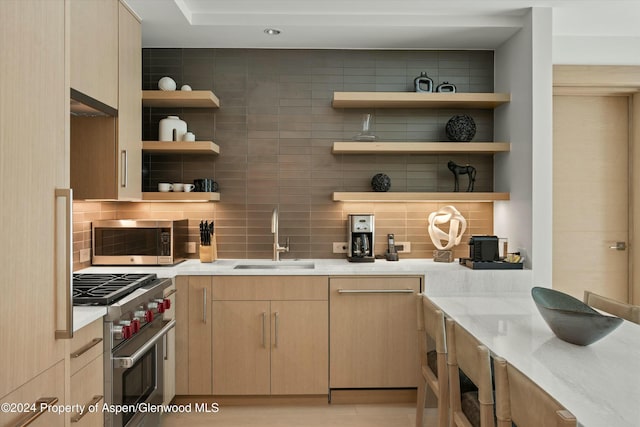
{"type": "Point", "coordinates": [418, 100]}
{"type": "Point", "coordinates": [181, 197]}
{"type": "Point", "coordinates": [182, 147]}
{"type": "Point", "coordinates": [180, 98]}
{"type": "Point", "coordinates": [355, 147]}
{"type": "Point", "coordinates": [371, 196]}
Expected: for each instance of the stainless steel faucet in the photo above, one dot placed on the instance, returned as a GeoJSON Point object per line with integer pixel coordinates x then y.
{"type": "Point", "coordinates": [274, 230]}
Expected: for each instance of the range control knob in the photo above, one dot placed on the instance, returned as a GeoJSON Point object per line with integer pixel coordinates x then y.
{"type": "Point", "coordinates": [148, 316]}
{"type": "Point", "coordinates": [122, 332]}
{"type": "Point", "coordinates": [117, 332]}
{"type": "Point", "coordinates": [139, 314]}
{"type": "Point", "coordinates": [167, 303]}
{"type": "Point", "coordinates": [135, 325]}
{"type": "Point", "coordinates": [160, 305]}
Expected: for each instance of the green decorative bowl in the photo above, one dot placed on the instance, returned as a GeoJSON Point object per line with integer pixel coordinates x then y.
{"type": "Point", "coordinates": [570, 319]}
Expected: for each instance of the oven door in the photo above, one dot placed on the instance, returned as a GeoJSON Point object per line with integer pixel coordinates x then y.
{"type": "Point", "coordinates": [138, 376]}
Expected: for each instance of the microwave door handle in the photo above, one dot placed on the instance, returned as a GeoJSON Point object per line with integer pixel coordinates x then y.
{"type": "Point", "coordinates": [128, 362]}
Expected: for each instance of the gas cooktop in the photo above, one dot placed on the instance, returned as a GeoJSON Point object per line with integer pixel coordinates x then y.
{"type": "Point", "coordinates": [104, 289]}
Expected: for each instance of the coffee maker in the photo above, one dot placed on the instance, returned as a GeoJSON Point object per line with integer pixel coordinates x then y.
{"type": "Point", "coordinates": [360, 229]}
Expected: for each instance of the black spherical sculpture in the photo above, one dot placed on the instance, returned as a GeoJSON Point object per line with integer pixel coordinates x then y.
{"type": "Point", "coordinates": [461, 128]}
{"type": "Point", "coordinates": [380, 182]}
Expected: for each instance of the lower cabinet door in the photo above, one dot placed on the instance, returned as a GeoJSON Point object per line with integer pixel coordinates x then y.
{"type": "Point", "coordinates": [87, 388]}
{"type": "Point", "coordinates": [299, 347]}
{"type": "Point", "coordinates": [373, 332]}
{"type": "Point", "coordinates": [47, 385]}
{"type": "Point", "coordinates": [241, 343]}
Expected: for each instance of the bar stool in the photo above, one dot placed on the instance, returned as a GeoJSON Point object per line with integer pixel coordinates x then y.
{"type": "Point", "coordinates": [433, 375]}
{"type": "Point", "coordinates": [626, 311]}
{"type": "Point", "coordinates": [467, 354]}
{"type": "Point", "coordinates": [521, 401]}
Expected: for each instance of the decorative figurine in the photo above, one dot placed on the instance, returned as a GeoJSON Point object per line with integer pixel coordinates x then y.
{"type": "Point", "coordinates": [462, 170]}
{"type": "Point", "coordinates": [457, 227]}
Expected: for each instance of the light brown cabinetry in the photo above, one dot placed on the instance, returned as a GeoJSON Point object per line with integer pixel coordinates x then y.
{"type": "Point", "coordinates": [94, 49]}
{"type": "Point", "coordinates": [33, 164]}
{"type": "Point", "coordinates": [106, 152]}
{"type": "Point", "coordinates": [372, 330]}
{"type": "Point", "coordinates": [87, 373]}
{"type": "Point", "coordinates": [270, 335]}
{"type": "Point", "coordinates": [38, 390]}
{"type": "Point", "coordinates": [169, 364]}
{"type": "Point", "coordinates": [193, 335]}
{"type": "Point", "coordinates": [129, 160]}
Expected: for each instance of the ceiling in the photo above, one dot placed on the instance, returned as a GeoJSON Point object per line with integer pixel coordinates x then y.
{"type": "Point", "coordinates": [372, 24]}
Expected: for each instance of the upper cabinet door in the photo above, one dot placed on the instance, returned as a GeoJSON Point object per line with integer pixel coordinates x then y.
{"type": "Point", "coordinates": [129, 106]}
{"type": "Point", "coordinates": [94, 49]}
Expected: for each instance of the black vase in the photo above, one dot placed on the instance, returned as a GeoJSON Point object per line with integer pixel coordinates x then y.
{"type": "Point", "coordinates": [461, 128]}
{"type": "Point", "coordinates": [380, 182]}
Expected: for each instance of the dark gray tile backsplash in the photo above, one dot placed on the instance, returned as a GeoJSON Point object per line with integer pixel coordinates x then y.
{"type": "Point", "coordinates": [275, 129]}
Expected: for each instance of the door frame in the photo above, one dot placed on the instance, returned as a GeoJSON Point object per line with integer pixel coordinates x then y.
{"type": "Point", "coordinates": [608, 80]}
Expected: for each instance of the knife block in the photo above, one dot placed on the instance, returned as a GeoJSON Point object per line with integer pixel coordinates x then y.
{"type": "Point", "coordinates": [206, 253]}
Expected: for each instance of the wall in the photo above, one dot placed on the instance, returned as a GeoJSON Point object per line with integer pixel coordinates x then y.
{"type": "Point", "coordinates": [275, 129]}
{"type": "Point", "coordinates": [523, 68]}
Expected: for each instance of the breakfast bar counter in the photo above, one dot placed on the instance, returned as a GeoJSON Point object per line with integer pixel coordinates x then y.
{"type": "Point", "coordinates": [599, 384]}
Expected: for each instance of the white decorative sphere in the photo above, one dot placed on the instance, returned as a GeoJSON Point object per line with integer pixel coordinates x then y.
{"type": "Point", "coordinates": [456, 228]}
{"type": "Point", "coordinates": [185, 88]}
{"type": "Point", "coordinates": [166, 83]}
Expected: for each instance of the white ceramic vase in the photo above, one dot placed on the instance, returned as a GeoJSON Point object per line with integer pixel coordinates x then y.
{"type": "Point", "coordinates": [172, 129]}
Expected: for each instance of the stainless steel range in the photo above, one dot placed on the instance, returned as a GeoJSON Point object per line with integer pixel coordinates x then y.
{"type": "Point", "coordinates": [134, 331]}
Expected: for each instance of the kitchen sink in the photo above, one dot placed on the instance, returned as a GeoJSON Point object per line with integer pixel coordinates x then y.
{"type": "Point", "coordinates": [277, 266]}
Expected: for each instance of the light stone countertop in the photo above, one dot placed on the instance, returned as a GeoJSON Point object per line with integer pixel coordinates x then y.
{"type": "Point", "coordinates": [440, 278]}
{"type": "Point", "coordinates": [598, 383]}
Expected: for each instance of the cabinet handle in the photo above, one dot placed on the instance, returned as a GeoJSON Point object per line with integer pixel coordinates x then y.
{"type": "Point", "coordinates": [63, 253]}
{"type": "Point", "coordinates": [204, 305]}
{"type": "Point", "coordinates": [277, 316]}
{"type": "Point", "coordinates": [264, 331]}
{"type": "Point", "coordinates": [165, 347]}
{"type": "Point", "coordinates": [171, 292]}
{"type": "Point", "coordinates": [86, 348]}
{"type": "Point", "coordinates": [77, 417]}
{"type": "Point", "coordinates": [42, 405]}
{"type": "Point", "coordinates": [375, 291]}
{"type": "Point", "coordinates": [124, 164]}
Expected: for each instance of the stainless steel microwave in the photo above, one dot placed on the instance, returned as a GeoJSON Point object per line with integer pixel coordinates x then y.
{"type": "Point", "coordinates": [139, 242]}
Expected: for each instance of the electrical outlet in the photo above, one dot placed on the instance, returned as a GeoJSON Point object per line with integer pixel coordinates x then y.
{"type": "Point", "coordinates": [403, 247]}
{"type": "Point", "coordinates": [339, 247]}
{"type": "Point", "coordinates": [85, 255]}
{"type": "Point", "coordinates": [191, 247]}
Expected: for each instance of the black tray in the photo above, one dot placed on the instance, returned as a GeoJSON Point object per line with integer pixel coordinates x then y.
{"type": "Point", "coordinates": [491, 265]}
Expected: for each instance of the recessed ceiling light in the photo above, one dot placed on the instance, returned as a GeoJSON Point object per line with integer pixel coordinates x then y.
{"type": "Point", "coordinates": [272, 31]}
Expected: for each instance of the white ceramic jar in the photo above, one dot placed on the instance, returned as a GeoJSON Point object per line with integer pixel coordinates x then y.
{"type": "Point", "coordinates": [172, 129]}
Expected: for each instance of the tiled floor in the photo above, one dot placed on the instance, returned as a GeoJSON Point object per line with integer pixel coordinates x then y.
{"type": "Point", "coordinates": [369, 415]}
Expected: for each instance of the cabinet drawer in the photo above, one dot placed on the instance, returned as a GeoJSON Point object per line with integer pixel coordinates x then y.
{"type": "Point", "coordinates": [86, 345]}
{"type": "Point", "coordinates": [261, 288]}
{"type": "Point", "coordinates": [50, 383]}
{"type": "Point", "coordinates": [87, 388]}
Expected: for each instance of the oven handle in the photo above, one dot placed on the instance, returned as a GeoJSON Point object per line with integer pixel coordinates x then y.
{"type": "Point", "coordinates": [128, 362]}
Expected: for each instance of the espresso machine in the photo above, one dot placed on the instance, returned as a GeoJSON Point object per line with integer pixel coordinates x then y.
{"type": "Point", "coordinates": [360, 229]}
